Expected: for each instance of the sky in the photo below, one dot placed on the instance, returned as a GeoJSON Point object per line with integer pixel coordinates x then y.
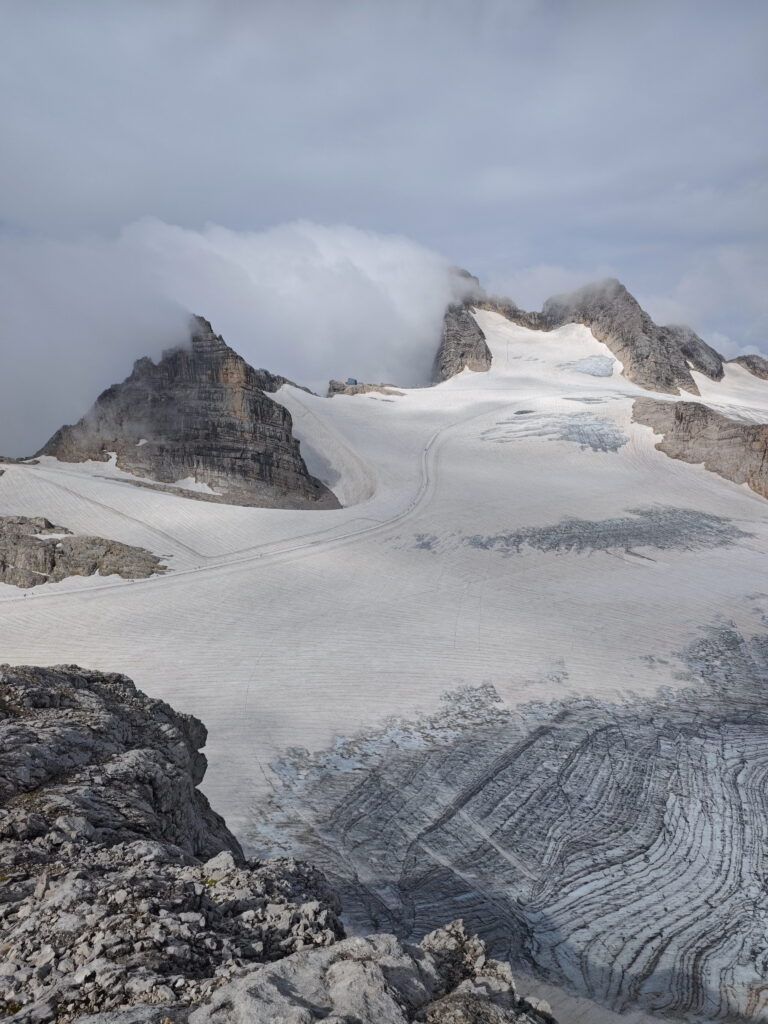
{"type": "Point", "coordinates": [306, 174]}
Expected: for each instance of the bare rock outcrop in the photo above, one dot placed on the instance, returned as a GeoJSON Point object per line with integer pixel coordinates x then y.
{"type": "Point", "coordinates": [447, 979]}
{"type": "Point", "coordinates": [200, 413]}
{"type": "Point", "coordinates": [655, 357]}
{"type": "Point", "coordinates": [462, 345]}
{"type": "Point", "coordinates": [757, 365]}
{"type": "Point", "coordinates": [695, 433]}
{"type": "Point", "coordinates": [34, 551]}
{"type": "Point", "coordinates": [340, 387]}
{"type": "Point", "coordinates": [119, 883]}
{"type": "Point", "coordinates": [124, 898]}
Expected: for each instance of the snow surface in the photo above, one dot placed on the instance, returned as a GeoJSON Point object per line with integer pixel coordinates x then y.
{"type": "Point", "coordinates": [290, 628]}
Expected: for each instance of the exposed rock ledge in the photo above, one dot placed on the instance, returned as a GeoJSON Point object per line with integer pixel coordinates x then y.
{"type": "Point", "coordinates": [757, 365]}
{"type": "Point", "coordinates": [339, 387]}
{"type": "Point", "coordinates": [695, 433]}
{"type": "Point", "coordinates": [203, 413]}
{"type": "Point", "coordinates": [28, 557]}
{"type": "Point", "coordinates": [126, 899]}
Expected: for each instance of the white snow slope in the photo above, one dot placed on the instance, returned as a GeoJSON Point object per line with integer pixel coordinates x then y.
{"type": "Point", "coordinates": [284, 629]}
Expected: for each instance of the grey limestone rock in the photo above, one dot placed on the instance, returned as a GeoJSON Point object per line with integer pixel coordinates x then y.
{"type": "Point", "coordinates": [34, 551]}
{"type": "Point", "coordinates": [448, 978]}
{"type": "Point", "coordinates": [695, 433]}
{"type": "Point", "coordinates": [462, 345]}
{"type": "Point", "coordinates": [339, 387]}
{"type": "Point", "coordinates": [756, 365]}
{"type": "Point", "coordinates": [655, 357]}
{"type": "Point", "coordinates": [119, 884]}
{"type": "Point", "coordinates": [659, 358]}
{"type": "Point", "coordinates": [200, 412]}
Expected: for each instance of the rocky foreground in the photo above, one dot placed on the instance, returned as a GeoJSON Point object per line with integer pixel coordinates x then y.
{"type": "Point", "coordinates": [125, 898]}
{"type": "Point", "coordinates": [34, 551]}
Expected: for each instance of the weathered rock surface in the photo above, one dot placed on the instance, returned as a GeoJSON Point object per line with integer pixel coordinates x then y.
{"type": "Point", "coordinates": [28, 557]}
{"type": "Point", "coordinates": [119, 883]}
{"type": "Point", "coordinates": [462, 345]}
{"type": "Point", "coordinates": [125, 899]}
{"type": "Point", "coordinates": [447, 979]}
{"type": "Point", "coordinates": [756, 365]}
{"type": "Point", "coordinates": [201, 412]}
{"type": "Point", "coordinates": [339, 387]}
{"type": "Point", "coordinates": [695, 433]}
{"type": "Point", "coordinates": [655, 357]}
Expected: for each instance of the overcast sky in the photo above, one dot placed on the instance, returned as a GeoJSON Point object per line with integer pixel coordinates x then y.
{"type": "Point", "coordinates": [539, 143]}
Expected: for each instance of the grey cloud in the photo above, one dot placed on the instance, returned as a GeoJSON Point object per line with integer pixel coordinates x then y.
{"type": "Point", "coordinates": [585, 136]}
{"type": "Point", "coordinates": [303, 300]}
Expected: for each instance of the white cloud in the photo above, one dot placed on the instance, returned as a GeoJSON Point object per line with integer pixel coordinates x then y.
{"type": "Point", "coordinates": [304, 300]}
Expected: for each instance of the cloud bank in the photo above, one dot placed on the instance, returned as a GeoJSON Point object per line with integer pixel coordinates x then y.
{"type": "Point", "coordinates": [303, 300]}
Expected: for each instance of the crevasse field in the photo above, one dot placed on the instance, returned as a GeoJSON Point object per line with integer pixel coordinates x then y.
{"type": "Point", "coordinates": [519, 678]}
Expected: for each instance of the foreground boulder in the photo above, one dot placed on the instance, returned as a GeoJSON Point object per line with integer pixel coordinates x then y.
{"type": "Point", "coordinates": [124, 899]}
{"type": "Point", "coordinates": [695, 433]}
{"type": "Point", "coordinates": [34, 551]}
{"type": "Point", "coordinates": [756, 365]}
{"type": "Point", "coordinates": [446, 979]}
{"type": "Point", "coordinates": [120, 884]}
{"type": "Point", "coordinates": [200, 416]}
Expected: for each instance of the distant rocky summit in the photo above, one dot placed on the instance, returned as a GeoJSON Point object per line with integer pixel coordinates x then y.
{"type": "Point", "coordinates": [695, 433]}
{"type": "Point", "coordinates": [200, 414]}
{"type": "Point", "coordinates": [125, 899]}
{"type": "Point", "coordinates": [757, 365]}
{"type": "Point", "coordinates": [34, 551]}
{"type": "Point", "coordinates": [340, 387]}
{"type": "Point", "coordinates": [655, 357]}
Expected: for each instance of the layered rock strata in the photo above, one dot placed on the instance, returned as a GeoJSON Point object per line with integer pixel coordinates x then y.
{"type": "Point", "coordinates": [34, 551]}
{"type": "Point", "coordinates": [201, 414]}
{"type": "Point", "coordinates": [462, 345]}
{"type": "Point", "coordinates": [695, 433]}
{"type": "Point", "coordinates": [659, 358]}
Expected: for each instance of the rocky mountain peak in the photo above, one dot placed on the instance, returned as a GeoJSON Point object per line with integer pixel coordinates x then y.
{"type": "Point", "coordinates": [200, 414]}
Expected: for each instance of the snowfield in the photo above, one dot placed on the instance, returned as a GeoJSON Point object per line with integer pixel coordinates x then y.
{"type": "Point", "coordinates": [513, 539]}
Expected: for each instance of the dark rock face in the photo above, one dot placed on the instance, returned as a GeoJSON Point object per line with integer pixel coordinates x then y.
{"type": "Point", "coordinates": [106, 901]}
{"type": "Point", "coordinates": [201, 412]}
{"type": "Point", "coordinates": [657, 358]}
{"type": "Point", "coordinates": [28, 557]}
{"type": "Point", "coordinates": [695, 433]}
{"type": "Point", "coordinates": [462, 345]}
{"type": "Point", "coordinates": [756, 365]}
